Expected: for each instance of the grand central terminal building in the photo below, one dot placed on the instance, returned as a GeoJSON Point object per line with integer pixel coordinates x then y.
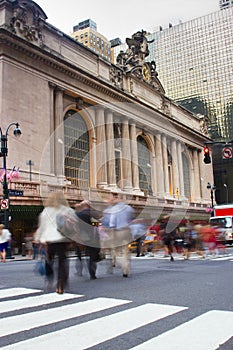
{"type": "Point", "coordinates": [92, 128]}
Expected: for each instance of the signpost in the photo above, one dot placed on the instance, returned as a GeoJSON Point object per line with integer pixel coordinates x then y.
{"type": "Point", "coordinates": [15, 193]}
{"type": "Point", "coordinates": [227, 152]}
{"type": "Point", "coordinates": [4, 204]}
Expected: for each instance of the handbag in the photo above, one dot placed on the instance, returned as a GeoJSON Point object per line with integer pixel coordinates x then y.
{"type": "Point", "coordinates": [40, 268]}
{"type": "Point", "coordinates": [68, 223]}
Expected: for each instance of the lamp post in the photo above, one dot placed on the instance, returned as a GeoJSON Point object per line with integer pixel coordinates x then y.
{"type": "Point", "coordinates": [225, 185]}
{"type": "Point", "coordinates": [212, 189]}
{"type": "Point", "coordinates": [4, 150]}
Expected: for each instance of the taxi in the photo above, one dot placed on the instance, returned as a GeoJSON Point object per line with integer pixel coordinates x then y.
{"type": "Point", "coordinates": [149, 242]}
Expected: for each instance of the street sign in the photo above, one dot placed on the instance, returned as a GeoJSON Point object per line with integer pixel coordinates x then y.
{"type": "Point", "coordinates": [15, 193]}
{"type": "Point", "coordinates": [4, 204]}
{"type": "Point", "coordinates": [227, 152]}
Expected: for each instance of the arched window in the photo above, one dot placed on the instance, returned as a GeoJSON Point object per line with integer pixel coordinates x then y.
{"type": "Point", "coordinates": [144, 166]}
{"type": "Point", "coordinates": [77, 162]}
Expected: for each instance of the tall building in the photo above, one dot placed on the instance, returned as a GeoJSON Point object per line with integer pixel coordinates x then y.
{"type": "Point", "coordinates": [86, 33]}
{"type": "Point", "coordinates": [225, 4]}
{"type": "Point", "coordinates": [194, 64]}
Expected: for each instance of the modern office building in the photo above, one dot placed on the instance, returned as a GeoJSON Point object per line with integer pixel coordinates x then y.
{"type": "Point", "coordinates": [86, 33]}
{"type": "Point", "coordinates": [194, 64]}
{"type": "Point", "coordinates": [225, 4]}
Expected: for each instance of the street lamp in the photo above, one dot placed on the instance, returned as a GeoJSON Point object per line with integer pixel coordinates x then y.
{"type": "Point", "coordinates": [4, 150]}
{"type": "Point", "coordinates": [225, 185]}
{"type": "Point", "coordinates": [212, 189]}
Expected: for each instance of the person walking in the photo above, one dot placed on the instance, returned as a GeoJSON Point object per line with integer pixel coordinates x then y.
{"type": "Point", "coordinates": [56, 244]}
{"type": "Point", "coordinates": [168, 236]}
{"type": "Point", "coordinates": [121, 216]}
{"type": "Point", "coordinates": [88, 228]}
{"type": "Point", "coordinates": [5, 237]}
{"type": "Point", "coordinates": [106, 239]}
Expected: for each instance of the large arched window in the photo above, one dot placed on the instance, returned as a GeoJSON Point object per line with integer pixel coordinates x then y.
{"type": "Point", "coordinates": [144, 166]}
{"type": "Point", "coordinates": [77, 163]}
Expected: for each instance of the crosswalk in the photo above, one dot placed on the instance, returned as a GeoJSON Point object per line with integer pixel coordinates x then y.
{"type": "Point", "coordinates": [27, 310]}
{"type": "Point", "coordinates": [193, 256]}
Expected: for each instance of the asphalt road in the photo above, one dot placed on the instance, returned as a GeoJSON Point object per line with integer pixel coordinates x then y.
{"type": "Point", "coordinates": [196, 294]}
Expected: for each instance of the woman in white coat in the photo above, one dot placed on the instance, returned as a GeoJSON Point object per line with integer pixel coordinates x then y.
{"type": "Point", "coordinates": [56, 244]}
{"type": "Point", "coordinates": [5, 237]}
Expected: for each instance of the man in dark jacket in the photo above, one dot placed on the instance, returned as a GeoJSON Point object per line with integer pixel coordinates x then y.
{"type": "Point", "coordinates": [89, 236]}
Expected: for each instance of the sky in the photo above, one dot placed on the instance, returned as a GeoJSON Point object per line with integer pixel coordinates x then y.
{"type": "Point", "coordinates": [123, 18]}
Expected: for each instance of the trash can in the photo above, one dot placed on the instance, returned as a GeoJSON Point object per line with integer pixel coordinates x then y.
{"type": "Point", "coordinates": [23, 249]}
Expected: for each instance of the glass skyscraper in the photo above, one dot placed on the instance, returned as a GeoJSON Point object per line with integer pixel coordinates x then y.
{"type": "Point", "coordinates": [195, 66]}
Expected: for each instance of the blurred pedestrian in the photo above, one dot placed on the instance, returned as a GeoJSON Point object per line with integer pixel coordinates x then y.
{"type": "Point", "coordinates": [5, 237]}
{"type": "Point", "coordinates": [121, 216]}
{"type": "Point", "coordinates": [89, 227]}
{"type": "Point", "coordinates": [107, 244]}
{"type": "Point", "coordinates": [29, 245]}
{"type": "Point", "coordinates": [56, 243]}
{"type": "Point", "coordinates": [168, 237]}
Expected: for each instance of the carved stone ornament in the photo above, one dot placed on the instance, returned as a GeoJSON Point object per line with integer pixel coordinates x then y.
{"type": "Point", "coordinates": [204, 125]}
{"type": "Point", "coordinates": [27, 21]}
{"type": "Point", "coordinates": [116, 77]}
{"type": "Point", "coordinates": [132, 61]}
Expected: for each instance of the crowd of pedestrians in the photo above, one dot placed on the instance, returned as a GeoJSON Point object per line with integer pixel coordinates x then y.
{"type": "Point", "coordinates": [98, 233]}
{"type": "Point", "coordinates": [202, 239]}
{"type": "Point", "coordinates": [110, 232]}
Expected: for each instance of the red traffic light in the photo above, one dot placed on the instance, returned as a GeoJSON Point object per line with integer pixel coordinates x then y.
{"type": "Point", "coordinates": [207, 159]}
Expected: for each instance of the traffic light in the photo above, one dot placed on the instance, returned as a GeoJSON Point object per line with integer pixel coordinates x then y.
{"type": "Point", "coordinates": [207, 159]}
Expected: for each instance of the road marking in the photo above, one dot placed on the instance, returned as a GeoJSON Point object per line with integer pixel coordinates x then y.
{"type": "Point", "coordinates": [20, 323]}
{"type": "Point", "coordinates": [12, 305]}
{"type": "Point", "coordinates": [96, 331]}
{"type": "Point", "coordinates": [13, 292]}
{"type": "Point", "coordinates": [221, 258]}
{"type": "Point", "coordinates": [205, 332]}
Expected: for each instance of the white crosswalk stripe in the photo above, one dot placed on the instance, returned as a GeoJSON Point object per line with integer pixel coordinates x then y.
{"type": "Point", "coordinates": [94, 332]}
{"type": "Point", "coordinates": [34, 319]}
{"type": "Point", "coordinates": [35, 301]}
{"type": "Point", "coordinates": [12, 292]}
{"type": "Point", "coordinates": [205, 331]}
{"type": "Point", "coordinates": [160, 256]}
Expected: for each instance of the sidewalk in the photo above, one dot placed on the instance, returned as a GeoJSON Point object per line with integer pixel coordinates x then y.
{"type": "Point", "coordinates": [18, 258]}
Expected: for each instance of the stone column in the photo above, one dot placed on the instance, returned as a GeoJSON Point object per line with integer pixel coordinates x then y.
{"type": "Point", "coordinates": [181, 170]}
{"type": "Point", "coordinates": [200, 162]}
{"type": "Point", "coordinates": [159, 165]}
{"type": "Point", "coordinates": [192, 180]}
{"type": "Point", "coordinates": [59, 134]}
{"type": "Point", "coordinates": [165, 165]}
{"type": "Point", "coordinates": [126, 156]}
{"type": "Point", "coordinates": [197, 191]}
{"type": "Point", "coordinates": [175, 172]}
{"type": "Point", "coordinates": [134, 154]}
{"type": "Point", "coordinates": [52, 124]}
{"type": "Point", "coordinates": [101, 166]}
{"type": "Point", "coordinates": [110, 150]}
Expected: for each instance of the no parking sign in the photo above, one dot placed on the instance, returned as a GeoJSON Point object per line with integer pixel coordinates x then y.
{"type": "Point", "coordinates": [4, 204]}
{"type": "Point", "coordinates": [227, 152]}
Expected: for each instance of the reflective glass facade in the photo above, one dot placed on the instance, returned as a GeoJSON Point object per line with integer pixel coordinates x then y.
{"type": "Point", "coordinates": [194, 64]}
